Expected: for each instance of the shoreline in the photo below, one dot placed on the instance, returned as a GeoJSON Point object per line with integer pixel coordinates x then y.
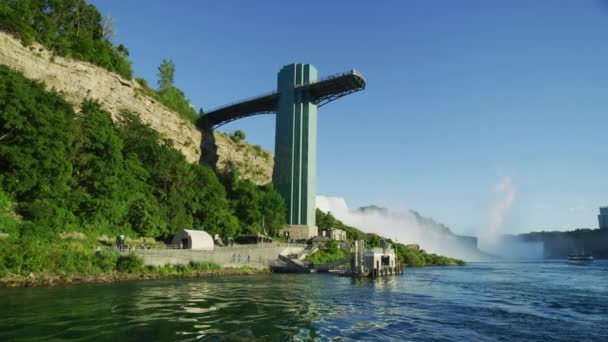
{"type": "Point", "coordinates": [53, 280]}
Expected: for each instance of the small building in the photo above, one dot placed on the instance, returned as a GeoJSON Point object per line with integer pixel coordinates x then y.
{"type": "Point", "coordinates": [374, 262]}
{"type": "Point", "coordinates": [193, 239]}
{"type": "Point", "coordinates": [299, 232]}
{"type": "Point", "coordinates": [253, 238]}
{"type": "Point", "coordinates": [334, 234]}
{"type": "Point", "coordinates": [603, 218]}
{"type": "Point", "coordinates": [379, 258]}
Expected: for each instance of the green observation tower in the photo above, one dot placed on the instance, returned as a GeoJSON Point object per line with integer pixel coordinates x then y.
{"type": "Point", "coordinates": [299, 94]}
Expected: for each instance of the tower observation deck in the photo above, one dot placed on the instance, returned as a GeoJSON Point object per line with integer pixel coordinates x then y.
{"type": "Point", "coordinates": [299, 93]}
{"type": "Point", "coordinates": [319, 92]}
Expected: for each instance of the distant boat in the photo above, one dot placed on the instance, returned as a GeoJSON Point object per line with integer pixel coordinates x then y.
{"type": "Point", "coordinates": [580, 258]}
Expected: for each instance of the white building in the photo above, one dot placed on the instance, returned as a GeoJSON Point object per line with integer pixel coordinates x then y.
{"type": "Point", "coordinates": [379, 258]}
{"type": "Point", "coordinates": [335, 234]}
{"type": "Point", "coordinates": [193, 239]}
{"type": "Point", "coordinates": [299, 232]}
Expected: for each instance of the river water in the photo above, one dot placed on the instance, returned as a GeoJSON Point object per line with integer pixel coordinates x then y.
{"type": "Point", "coordinates": [478, 302]}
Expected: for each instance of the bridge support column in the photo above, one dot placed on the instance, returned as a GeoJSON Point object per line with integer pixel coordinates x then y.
{"type": "Point", "coordinates": [295, 161]}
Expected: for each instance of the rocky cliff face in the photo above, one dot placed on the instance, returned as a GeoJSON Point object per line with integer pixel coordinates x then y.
{"type": "Point", "coordinates": [251, 161]}
{"type": "Point", "coordinates": [79, 80]}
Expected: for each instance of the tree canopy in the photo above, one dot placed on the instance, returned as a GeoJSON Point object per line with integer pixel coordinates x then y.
{"type": "Point", "coordinates": [238, 136]}
{"type": "Point", "coordinates": [69, 27]}
{"type": "Point", "coordinates": [166, 74]}
{"type": "Point", "coordinates": [68, 171]}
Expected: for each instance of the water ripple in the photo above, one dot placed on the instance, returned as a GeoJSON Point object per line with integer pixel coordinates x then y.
{"type": "Point", "coordinates": [481, 302]}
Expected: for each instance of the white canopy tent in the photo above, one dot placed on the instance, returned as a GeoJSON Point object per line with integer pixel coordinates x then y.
{"type": "Point", "coordinates": [193, 239]}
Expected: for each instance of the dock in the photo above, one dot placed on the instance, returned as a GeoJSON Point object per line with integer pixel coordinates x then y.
{"type": "Point", "coordinates": [362, 262]}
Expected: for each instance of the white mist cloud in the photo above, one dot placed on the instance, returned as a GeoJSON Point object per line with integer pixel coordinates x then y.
{"type": "Point", "coordinates": [506, 194]}
{"type": "Point", "coordinates": [404, 227]}
{"type": "Point", "coordinates": [492, 238]}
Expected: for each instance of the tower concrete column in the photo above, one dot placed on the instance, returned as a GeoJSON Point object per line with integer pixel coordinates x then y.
{"type": "Point", "coordinates": [295, 161]}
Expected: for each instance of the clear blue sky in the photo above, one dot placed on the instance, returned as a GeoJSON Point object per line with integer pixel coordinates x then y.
{"type": "Point", "coordinates": [460, 94]}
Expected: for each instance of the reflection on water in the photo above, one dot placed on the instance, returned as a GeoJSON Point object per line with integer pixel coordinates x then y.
{"type": "Point", "coordinates": [477, 302]}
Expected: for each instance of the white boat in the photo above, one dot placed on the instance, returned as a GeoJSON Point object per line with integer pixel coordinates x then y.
{"type": "Point", "coordinates": [580, 258]}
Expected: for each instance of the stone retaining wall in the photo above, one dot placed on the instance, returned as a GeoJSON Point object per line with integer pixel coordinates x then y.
{"type": "Point", "coordinates": [257, 256]}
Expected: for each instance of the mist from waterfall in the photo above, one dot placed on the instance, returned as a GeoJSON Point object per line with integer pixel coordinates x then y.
{"type": "Point", "coordinates": [407, 227]}
{"type": "Point", "coordinates": [404, 227]}
{"type": "Point", "coordinates": [492, 237]}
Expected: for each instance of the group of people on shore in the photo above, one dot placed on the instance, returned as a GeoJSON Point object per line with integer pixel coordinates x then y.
{"type": "Point", "coordinates": [121, 246]}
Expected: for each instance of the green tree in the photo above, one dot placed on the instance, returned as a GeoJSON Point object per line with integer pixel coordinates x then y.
{"type": "Point", "coordinates": [8, 218]}
{"type": "Point", "coordinates": [258, 208]}
{"type": "Point", "coordinates": [238, 136]}
{"type": "Point", "coordinates": [171, 96]}
{"type": "Point", "coordinates": [70, 27]}
{"type": "Point", "coordinates": [37, 127]}
{"type": "Point", "coordinates": [332, 247]}
{"type": "Point", "coordinates": [108, 31]}
{"type": "Point", "coordinates": [145, 217]}
{"type": "Point", "coordinates": [166, 74]}
{"type": "Point", "coordinates": [189, 195]}
{"type": "Point", "coordinates": [104, 183]}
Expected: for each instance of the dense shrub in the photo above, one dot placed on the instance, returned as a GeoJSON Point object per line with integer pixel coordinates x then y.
{"type": "Point", "coordinates": [175, 99]}
{"type": "Point", "coordinates": [8, 219]}
{"type": "Point", "coordinates": [259, 208]}
{"type": "Point", "coordinates": [332, 246]}
{"type": "Point", "coordinates": [105, 260]}
{"type": "Point", "coordinates": [329, 254]}
{"type": "Point", "coordinates": [129, 263]}
{"type": "Point", "coordinates": [204, 266]}
{"type": "Point", "coordinates": [238, 136]}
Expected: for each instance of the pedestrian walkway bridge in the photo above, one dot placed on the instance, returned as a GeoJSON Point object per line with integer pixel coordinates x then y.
{"type": "Point", "coordinates": [319, 92]}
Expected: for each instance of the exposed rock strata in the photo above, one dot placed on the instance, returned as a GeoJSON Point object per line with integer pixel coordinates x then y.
{"type": "Point", "coordinates": [252, 161]}
{"type": "Point", "coordinates": [78, 80]}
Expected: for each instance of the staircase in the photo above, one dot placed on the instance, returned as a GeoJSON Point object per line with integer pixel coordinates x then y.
{"type": "Point", "coordinates": [309, 250]}
{"type": "Point", "coordinates": [285, 264]}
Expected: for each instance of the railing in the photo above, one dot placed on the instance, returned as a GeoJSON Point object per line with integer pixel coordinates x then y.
{"type": "Point", "coordinates": [264, 245]}
{"type": "Point", "coordinates": [331, 77]}
{"type": "Point", "coordinates": [230, 247]}
{"type": "Point", "coordinates": [241, 101]}
{"type": "Point", "coordinates": [327, 78]}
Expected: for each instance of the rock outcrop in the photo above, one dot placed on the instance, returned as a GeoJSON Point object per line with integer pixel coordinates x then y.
{"type": "Point", "coordinates": [78, 80]}
{"type": "Point", "coordinates": [251, 161]}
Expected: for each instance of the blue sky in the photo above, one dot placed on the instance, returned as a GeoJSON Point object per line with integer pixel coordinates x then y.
{"type": "Point", "coordinates": [461, 95]}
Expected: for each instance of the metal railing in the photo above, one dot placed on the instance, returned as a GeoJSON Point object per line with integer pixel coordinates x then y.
{"type": "Point", "coordinates": [216, 247]}
{"type": "Point", "coordinates": [327, 78]}
{"type": "Point", "coordinates": [331, 77]}
{"type": "Point", "coordinates": [240, 101]}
